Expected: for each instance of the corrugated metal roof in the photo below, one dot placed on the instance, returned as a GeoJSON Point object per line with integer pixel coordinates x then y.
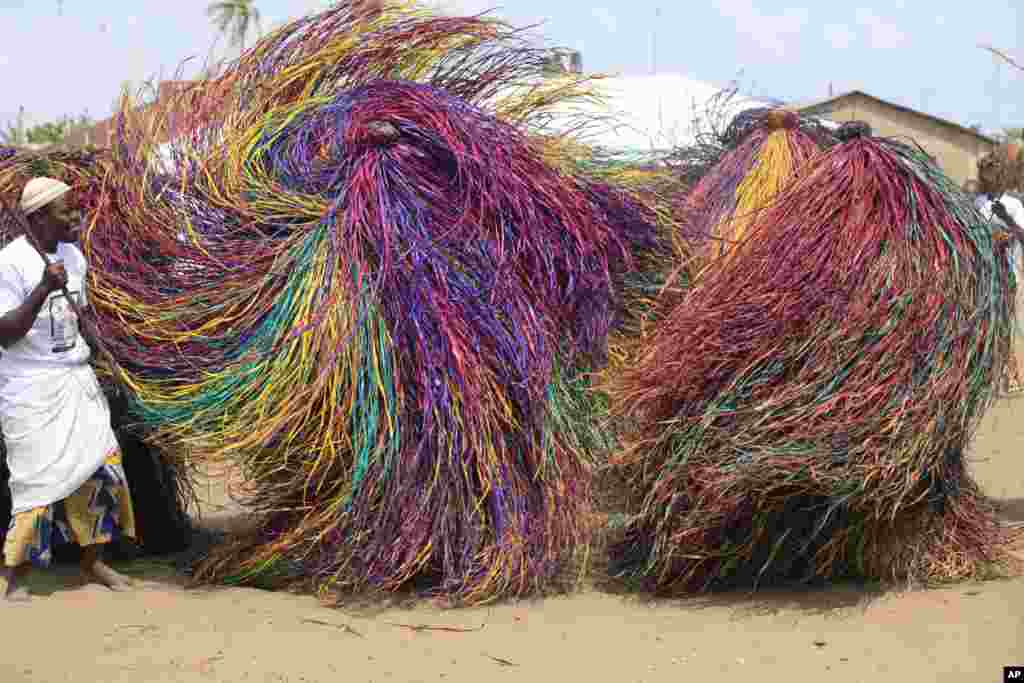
{"type": "Point", "coordinates": [817, 104]}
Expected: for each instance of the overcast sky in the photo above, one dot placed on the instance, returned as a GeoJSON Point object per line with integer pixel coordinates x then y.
{"type": "Point", "coordinates": [920, 53]}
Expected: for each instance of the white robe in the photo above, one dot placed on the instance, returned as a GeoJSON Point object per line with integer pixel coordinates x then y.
{"type": "Point", "coordinates": [55, 418]}
{"type": "Point", "coordinates": [57, 435]}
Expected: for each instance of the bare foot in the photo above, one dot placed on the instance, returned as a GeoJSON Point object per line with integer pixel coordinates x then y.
{"type": "Point", "coordinates": [106, 576]}
{"type": "Point", "coordinates": [12, 589]}
{"type": "Point", "coordinates": [16, 594]}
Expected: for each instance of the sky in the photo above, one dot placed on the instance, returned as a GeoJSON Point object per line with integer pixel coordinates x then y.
{"type": "Point", "coordinates": [72, 57]}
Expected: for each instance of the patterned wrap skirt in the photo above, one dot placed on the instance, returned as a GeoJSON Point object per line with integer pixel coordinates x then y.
{"type": "Point", "coordinates": [99, 512]}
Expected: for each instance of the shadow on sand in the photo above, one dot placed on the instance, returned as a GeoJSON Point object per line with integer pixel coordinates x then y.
{"type": "Point", "coordinates": [818, 599]}
{"type": "Point", "coordinates": [63, 577]}
{"type": "Point", "coordinates": [815, 599]}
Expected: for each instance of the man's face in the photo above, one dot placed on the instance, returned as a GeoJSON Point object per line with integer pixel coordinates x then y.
{"type": "Point", "coordinates": [61, 220]}
{"type": "Point", "coordinates": [990, 177]}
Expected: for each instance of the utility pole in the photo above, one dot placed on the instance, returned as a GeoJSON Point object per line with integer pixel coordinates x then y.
{"type": "Point", "coordinates": [994, 85]}
{"type": "Point", "coordinates": [926, 98]}
{"type": "Point", "coordinates": [653, 56]}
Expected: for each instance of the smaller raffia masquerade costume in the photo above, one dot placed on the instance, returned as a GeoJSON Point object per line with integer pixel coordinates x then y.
{"type": "Point", "coordinates": [67, 482]}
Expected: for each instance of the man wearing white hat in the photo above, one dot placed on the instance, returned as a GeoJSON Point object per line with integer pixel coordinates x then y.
{"type": "Point", "coordinates": [67, 482]}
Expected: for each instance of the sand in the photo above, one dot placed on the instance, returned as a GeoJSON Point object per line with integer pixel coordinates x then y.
{"type": "Point", "coordinates": [164, 633]}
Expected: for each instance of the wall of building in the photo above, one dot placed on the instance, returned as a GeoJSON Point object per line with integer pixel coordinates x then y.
{"type": "Point", "coordinates": [957, 151]}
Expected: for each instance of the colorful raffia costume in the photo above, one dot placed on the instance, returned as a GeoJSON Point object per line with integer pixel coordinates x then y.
{"type": "Point", "coordinates": [806, 409]}
{"type": "Point", "coordinates": [372, 296]}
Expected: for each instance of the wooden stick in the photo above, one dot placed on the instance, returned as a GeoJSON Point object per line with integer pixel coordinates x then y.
{"type": "Point", "coordinates": [419, 628]}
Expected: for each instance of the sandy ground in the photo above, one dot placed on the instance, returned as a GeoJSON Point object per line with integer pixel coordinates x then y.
{"type": "Point", "coordinates": [165, 633]}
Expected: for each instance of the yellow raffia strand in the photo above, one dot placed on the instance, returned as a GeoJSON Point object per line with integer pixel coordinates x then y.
{"type": "Point", "coordinates": [772, 170]}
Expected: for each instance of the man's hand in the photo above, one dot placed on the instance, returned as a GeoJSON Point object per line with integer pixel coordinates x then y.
{"type": "Point", "coordinates": [54, 277]}
{"type": "Point", "coordinates": [14, 325]}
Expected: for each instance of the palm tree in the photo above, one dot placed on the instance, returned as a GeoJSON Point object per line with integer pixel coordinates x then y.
{"type": "Point", "coordinates": [16, 133]}
{"type": "Point", "coordinates": [235, 19]}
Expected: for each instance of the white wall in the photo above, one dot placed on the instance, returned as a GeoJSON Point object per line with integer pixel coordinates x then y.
{"type": "Point", "coordinates": [647, 113]}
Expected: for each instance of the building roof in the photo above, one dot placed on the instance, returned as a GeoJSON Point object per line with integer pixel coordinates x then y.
{"type": "Point", "coordinates": [652, 112]}
{"type": "Point", "coordinates": [100, 133]}
{"type": "Point", "coordinates": [816, 104]}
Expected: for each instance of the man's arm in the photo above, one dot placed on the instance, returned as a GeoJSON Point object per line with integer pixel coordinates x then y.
{"type": "Point", "coordinates": [1000, 211]}
{"type": "Point", "coordinates": [16, 323]}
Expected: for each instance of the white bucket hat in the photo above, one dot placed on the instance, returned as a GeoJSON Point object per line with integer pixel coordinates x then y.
{"type": "Point", "coordinates": [39, 192]}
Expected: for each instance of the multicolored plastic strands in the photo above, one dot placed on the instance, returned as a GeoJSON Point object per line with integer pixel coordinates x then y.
{"type": "Point", "coordinates": [768, 148]}
{"type": "Point", "coordinates": [806, 409]}
{"type": "Point", "coordinates": [735, 173]}
{"type": "Point", "coordinates": [372, 297]}
{"type": "Point", "coordinates": [83, 170]}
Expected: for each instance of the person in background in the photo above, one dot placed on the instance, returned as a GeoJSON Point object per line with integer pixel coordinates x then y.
{"type": "Point", "coordinates": [66, 478]}
{"type": "Point", "coordinates": [996, 174]}
{"type": "Point", "coordinates": [995, 177]}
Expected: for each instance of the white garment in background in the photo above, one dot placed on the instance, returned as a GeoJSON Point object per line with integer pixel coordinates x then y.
{"type": "Point", "coordinates": [55, 418]}
{"type": "Point", "coordinates": [1016, 211]}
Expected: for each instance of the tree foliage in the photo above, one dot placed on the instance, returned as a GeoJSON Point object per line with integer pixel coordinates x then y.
{"type": "Point", "coordinates": [18, 133]}
{"type": "Point", "coordinates": [235, 19]}
{"type": "Point", "coordinates": [15, 132]}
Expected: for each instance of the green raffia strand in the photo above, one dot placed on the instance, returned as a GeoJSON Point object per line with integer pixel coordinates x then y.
{"type": "Point", "coordinates": [578, 413]}
{"type": "Point", "coordinates": [373, 338]}
{"type": "Point", "coordinates": [266, 575]}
